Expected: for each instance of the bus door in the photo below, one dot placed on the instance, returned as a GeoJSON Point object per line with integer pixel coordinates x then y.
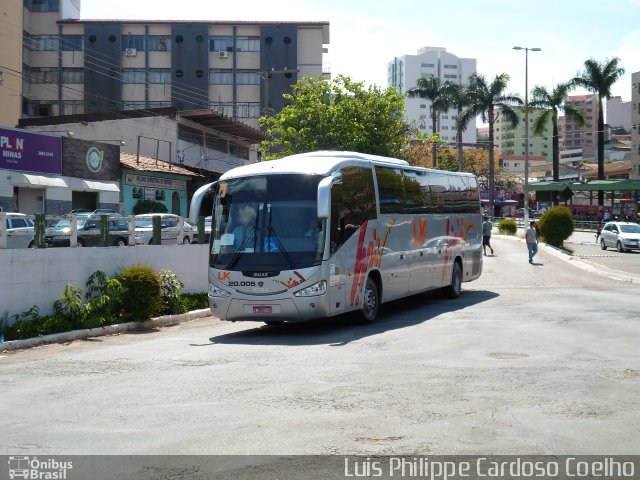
{"type": "Point", "coordinates": [353, 209]}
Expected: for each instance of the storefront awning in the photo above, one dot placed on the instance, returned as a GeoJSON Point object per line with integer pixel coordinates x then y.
{"type": "Point", "coordinates": [78, 184]}
{"type": "Point", "coordinates": [102, 186]}
{"type": "Point", "coordinates": [32, 180]}
{"type": "Point", "coordinates": [607, 186]}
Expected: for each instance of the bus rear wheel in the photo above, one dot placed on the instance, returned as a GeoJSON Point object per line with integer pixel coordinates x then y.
{"type": "Point", "coordinates": [370, 302]}
{"type": "Point", "coordinates": [455, 289]}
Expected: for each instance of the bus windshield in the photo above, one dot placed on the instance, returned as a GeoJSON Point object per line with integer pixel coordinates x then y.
{"type": "Point", "coordinates": [267, 223]}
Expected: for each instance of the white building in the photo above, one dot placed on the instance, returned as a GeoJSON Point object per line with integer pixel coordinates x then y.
{"type": "Point", "coordinates": [403, 73]}
{"type": "Point", "coordinates": [618, 113]}
{"type": "Point", "coordinates": [635, 125]}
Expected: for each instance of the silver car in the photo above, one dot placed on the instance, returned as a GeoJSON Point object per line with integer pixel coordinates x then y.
{"type": "Point", "coordinates": [623, 236]}
{"type": "Point", "coordinates": [169, 229]}
{"type": "Point", "coordinates": [19, 230]}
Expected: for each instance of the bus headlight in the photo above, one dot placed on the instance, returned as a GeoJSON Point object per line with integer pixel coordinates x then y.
{"type": "Point", "coordinates": [218, 292]}
{"type": "Point", "coordinates": [319, 288]}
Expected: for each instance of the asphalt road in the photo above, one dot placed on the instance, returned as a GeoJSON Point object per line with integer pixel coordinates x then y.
{"type": "Point", "coordinates": [531, 359]}
{"type": "Point", "coordinates": [584, 246]}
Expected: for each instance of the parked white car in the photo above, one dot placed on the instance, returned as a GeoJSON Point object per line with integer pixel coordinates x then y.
{"type": "Point", "coordinates": [623, 236]}
{"type": "Point", "coordinates": [19, 230]}
{"type": "Point", "coordinates": [169, 229]}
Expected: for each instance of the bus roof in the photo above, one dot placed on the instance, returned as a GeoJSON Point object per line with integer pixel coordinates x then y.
{"type": "Point", "coordinates": [322, 162]}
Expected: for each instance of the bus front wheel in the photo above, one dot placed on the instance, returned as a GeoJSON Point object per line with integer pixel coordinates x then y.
{"type": "Point", "coordinates": [455, 289]}
{"type": "Point", "coordinates": [370, 302]}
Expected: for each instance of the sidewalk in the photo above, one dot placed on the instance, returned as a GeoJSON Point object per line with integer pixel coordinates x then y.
{"type": "Point", "coordinates": [588, 256]}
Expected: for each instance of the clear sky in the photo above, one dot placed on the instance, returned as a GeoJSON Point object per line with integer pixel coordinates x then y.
{"type": "Point", "coordinates": [366, 34]}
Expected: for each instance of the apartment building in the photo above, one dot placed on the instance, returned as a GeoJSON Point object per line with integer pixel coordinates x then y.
{"type": "Point", "coordinates": [72, 66]}
{"type": "Point", "coordinates": [510, 139]}
{"type": "Point", "coordinates": [10, 61]}
{"type": "Point", "coordinates": [585, 137]}
{"type": "Point", "coordinates": [635, 125]}
{"type": "Point", "coordinates": [403, 73]}
{"type": "Point", "coordinates": [618, 113]}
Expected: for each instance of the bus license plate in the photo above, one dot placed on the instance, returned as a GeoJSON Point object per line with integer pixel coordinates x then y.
{"type": "Point", "coordinates": [262, 309]}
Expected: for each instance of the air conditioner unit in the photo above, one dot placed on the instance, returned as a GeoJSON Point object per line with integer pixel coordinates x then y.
{"type": "Point", "coordinates": [223, 54]}
{"type": "Point", "coordinates": [130, 52]}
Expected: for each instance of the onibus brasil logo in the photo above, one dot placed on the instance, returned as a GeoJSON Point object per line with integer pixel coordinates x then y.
{"type": "Point", "coordinates": [94, 159]}
{"type": "Point", "coordinates": [34, 468]}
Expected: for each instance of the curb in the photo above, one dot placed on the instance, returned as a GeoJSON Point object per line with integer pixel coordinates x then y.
{"type": "Point", "coordinates": [66, 337]}
{"type": "Point", "coordinates": [583, 264]}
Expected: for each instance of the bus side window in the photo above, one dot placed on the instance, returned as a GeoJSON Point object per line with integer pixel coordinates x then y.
{"type": "Point", "coordinates": [352, 203]}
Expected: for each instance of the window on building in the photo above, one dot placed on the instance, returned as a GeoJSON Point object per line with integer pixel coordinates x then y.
{"type": "Point", "coordinates": [428, 65]}
{"type": "Point", "coordinates": [137, 192]}
{"type": "Point", "coordinates": [72, 107]}
{"type": "Point", "coordinates": [451, 67]}
{"type": "Point", "coordinates": [72, 43]}
{"type": "Point", "coordinates": [159, 43]}
{"type": "Point", "coordinates": [160, 195]}
{"type": "Point", "coordinates": [445, 127]}
{"type": "Point", "coordinates": [423, 105]}
{"type": "Point", "coordinates": [134, 105]}
{"type": "Point", "coordinates": [220, 77]}
{"type": "Point", "coordinates": [248, 44]}
{"type": "Point", "coordinates": [220, 44]}
{"type": "Point", "coordinates": [445, 117]}
{"type": "Point", "coordinates": [133, 41]}
{"type": "Point", "coordinates": [73, 75]}
{"type": "Point", "coordinates": [42, 5]}
{"type": "Point", "coordinates": [43, 75]}
{"type": "Point", "coordinates": [450, 75]}
{"type": "Point", "coordinates": [160, 75]}
{"type": "Point", "coordinates": [133, 75]}
{"type": "Point", "coordinates": [43, 43]}
{"type": "Point", "coordinates": [247, 77]}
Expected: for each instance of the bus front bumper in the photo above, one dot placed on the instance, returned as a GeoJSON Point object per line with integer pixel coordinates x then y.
{"type": "Point", "coordinates": [294, 309]}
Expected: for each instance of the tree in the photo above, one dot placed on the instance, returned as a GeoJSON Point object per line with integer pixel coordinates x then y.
{"type": "Point", "coordinates": [460, 99]}
{"type": "Point", "coordinates": [599, 77]}
{"type": "Point", "coordinates": [487, 100]}
{"type": "Point", "coordinates": [337, 115]}
{"type": "Point", "coordinates": [551, 103]}
{"type": "Point", "coordinates": [437, 92]}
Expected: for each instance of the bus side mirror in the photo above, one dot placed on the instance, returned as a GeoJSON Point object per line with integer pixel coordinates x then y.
{"type": "Point", "coordinates": [324, 197]}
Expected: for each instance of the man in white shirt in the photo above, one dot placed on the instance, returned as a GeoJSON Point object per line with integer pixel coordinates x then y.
{"type": "Point", "coordinates": [531, 238]}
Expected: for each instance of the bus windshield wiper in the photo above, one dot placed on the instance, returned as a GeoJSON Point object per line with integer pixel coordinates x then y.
{"type": "Point", "coordinates": [239, 251]}
{"type": "Point", "coordinates": [243, 244]}
{"type": "Point", "coordinates": [280, 246]}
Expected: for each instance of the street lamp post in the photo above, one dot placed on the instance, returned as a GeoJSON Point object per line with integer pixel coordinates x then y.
{"type": "Point", "coordinates": [526, 130]}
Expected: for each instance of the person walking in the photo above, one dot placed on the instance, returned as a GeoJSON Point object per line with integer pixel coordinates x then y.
{"type": "Point", "coordinates": [531, 236]}
{"type": "Point", "coordinates": [487, 226]}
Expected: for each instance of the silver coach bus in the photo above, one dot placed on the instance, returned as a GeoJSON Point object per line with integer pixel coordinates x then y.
{"type": "Point", "coordinates": [324, 233]}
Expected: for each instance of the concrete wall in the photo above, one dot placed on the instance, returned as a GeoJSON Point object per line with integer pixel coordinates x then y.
{"type": "Point", "coordinates": [38, 277]}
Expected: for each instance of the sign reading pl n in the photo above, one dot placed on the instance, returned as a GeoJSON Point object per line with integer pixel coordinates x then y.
{"type": "Point", "coordinates": [30, 152]}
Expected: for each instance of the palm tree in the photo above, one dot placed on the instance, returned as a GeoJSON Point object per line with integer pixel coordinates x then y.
{"type": "Point", "coordinates": [551, 103]}
{"type": "Point", "coordinates": [487, 100]}
{"type": "Point", "coordinates": [460, 99]}
{"type": "Point", "coordinates": [599, 77]}
{"type": "Point", "coordinates": [437, 92]}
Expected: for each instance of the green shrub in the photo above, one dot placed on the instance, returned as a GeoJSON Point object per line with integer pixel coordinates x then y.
{"type": "Point", "coordinates": [194, 301]}
{"type": "Point", "coordinates": [54, 324]}
{"type": "Point", "coordinates": [149, 206]}
{"type": "Point", "coordinates": [507, 226]}
{"type": "Point", "coordinates": [25, 325]}
{"type": "Point", "coordinates": [142, 293]}
{"type": "Point", "coordinates": [556, 225]}
{"type": "Point", "coordinates": [171, 288]}
{"type": "Point", "coordinates": [104, 294]}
